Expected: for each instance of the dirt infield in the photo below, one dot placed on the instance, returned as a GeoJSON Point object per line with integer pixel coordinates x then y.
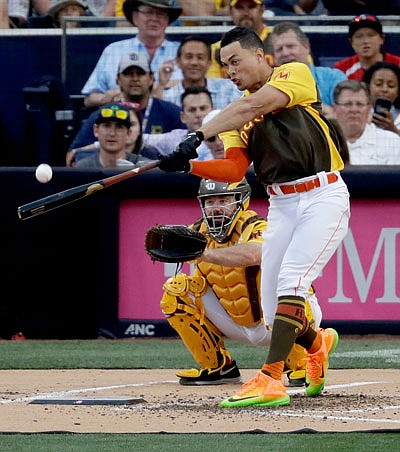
{"type": "Point", "coordinates": [353, 400]}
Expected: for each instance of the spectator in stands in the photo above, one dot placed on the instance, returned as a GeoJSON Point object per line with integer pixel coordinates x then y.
{"type": "Point", "coordinates": [20, 10]}
{"type": "Point", "coordinates": [135, 82]}
{"type": "Point", "coordinates": [134, 144]}
{"type": "Point", "coordinates": [293, 7]}
{"type": "Point", "coordinates": [194, 59]}
{"type": "Point", "coordinates": [59, 9]}
{"type": "Point", "coordinates": [290, 44]}
{"type": "Point", "coordinates": [213, 147]}
{"type": "Point", "coordinates": [151, 17]}
{"type": "Point", "coordinates": [355, 7]}
{"type": "Point", "coordinates": [368, 144]}
{"type": "Point", "coordinates": [383, 80]}
{"type": "Point", "coordinates": [113, 130]}
{"type": "Point", "coordinates": [196, 104]}
{"type": "Point", "coordinates": [366, 37]}
{"type": "Point", "coordinates": [244, 13]}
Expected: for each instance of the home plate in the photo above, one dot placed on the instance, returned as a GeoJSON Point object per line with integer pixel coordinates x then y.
{"type": "Point", "coordinates": [114, 400]}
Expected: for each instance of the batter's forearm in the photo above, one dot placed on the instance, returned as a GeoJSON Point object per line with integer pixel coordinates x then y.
{"type": "Point", "coordinates": [232, 117]}
{"type": "Point", "coordinates": [241, 111]}
{"type": "Point", "coordinates": [230, 169]}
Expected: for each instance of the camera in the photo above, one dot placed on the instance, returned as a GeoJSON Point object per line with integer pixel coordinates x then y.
{"type": "Point", "coordinates": [382, 106]}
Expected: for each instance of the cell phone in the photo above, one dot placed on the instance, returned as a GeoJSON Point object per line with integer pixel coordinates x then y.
{"type": "Point", "coordinates": [382, 106]}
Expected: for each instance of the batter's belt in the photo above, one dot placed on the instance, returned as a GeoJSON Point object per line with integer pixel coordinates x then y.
{"type": "Point", "coordinates": [301, 187]}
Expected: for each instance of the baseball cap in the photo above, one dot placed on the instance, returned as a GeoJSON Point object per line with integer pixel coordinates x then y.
{"type": "Point", "coordinates": [134, 59]}
{"type": "Point", "coordinates": [257, 2]}
{"type": "Point", "coordinates": [114, 112]}
{"type": "Point", "coordinates": [365, 21]}
{"type": "Point", "coordinates": [57, 5]}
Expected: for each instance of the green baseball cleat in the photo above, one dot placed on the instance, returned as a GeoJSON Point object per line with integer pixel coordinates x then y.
{"type": "Point", "coordinates": [318, 362]}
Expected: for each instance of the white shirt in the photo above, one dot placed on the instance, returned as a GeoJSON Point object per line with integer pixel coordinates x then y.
{"type": "Point", "coordinates": [397, 121]}
{"type": "Point", "coordinates": [165, 143]}
{"type": "Point", "coordinates": [204, 153]}
{"type": "Point", "coordinates": [18, 8]}
{"type": "Point", "coordinates": [376, 146]}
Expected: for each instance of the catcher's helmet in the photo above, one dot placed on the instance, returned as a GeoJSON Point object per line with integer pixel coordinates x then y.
{"type": "Point", "coordinates": [219, 219]}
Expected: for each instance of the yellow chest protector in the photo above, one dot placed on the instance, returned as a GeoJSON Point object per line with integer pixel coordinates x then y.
{"type": "Point", "coordinates": [237, 288]}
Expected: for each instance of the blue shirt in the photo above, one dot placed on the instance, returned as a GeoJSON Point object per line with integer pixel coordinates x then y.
{"type": "Point", "coordinates": [104, 75]}
{"type": "Point", "coordinates": [222, 91]}
{"type": "Point", "coordinates": [327, 78]}
{"type": "Point", "coordinates": [160, 117]}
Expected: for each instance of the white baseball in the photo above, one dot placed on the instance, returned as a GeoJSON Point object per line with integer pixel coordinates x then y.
{"type": "Point", "coordinates": [44, 173]}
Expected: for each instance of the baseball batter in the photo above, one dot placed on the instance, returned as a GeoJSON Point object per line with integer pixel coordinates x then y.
{"type": "Point", "coordinates": [279, 127]}
{"type": "Point", "coordinates": [222, 297]}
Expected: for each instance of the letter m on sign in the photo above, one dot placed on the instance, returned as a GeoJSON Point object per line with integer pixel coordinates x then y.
{"type": "Point", "coordinates": [386, 244]}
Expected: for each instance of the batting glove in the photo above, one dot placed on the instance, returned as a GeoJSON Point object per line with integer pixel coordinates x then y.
{"type": "Point", "coordinates": [178, 161]}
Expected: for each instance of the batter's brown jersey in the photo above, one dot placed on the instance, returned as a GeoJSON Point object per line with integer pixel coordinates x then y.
{"type": "Point", "coordinates": [294, 142]}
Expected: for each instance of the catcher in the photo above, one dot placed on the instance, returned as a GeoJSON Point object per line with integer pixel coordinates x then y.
{"type": "Point", "coordinates": [222, 298]}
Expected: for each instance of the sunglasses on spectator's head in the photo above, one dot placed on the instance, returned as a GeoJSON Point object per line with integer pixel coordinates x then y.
{"type": "Point", "coordinates": [114, 113]}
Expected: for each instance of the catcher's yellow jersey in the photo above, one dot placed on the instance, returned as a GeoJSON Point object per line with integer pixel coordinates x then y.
{"type": "Point", "coordinates": [293, 142]}
{"type": "Point", "coordinates": [237, 288]}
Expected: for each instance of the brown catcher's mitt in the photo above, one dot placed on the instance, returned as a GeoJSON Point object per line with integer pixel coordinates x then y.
{"type": "Point", "coordinates": [169, 243]}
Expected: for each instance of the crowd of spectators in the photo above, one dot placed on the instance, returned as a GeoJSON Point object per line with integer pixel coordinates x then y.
{"type": "Point", "coordinates": [153, 72]}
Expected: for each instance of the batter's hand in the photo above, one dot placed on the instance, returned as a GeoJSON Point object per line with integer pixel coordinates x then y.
{"type": "Point", "coordinates": [185, 151]}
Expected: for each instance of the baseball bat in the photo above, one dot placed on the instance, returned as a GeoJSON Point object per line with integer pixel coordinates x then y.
{"type": "Point", "coordinates": [73, 194]}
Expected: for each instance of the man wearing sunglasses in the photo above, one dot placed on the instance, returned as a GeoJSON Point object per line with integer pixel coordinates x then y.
{"type": "Point", "coordinates": [112, 130]}
{"type": "Point", "coordinates": [367, 38]}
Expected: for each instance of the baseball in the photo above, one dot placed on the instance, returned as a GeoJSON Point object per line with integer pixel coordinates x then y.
{"type": "Point", "coordinates": [44, 173]}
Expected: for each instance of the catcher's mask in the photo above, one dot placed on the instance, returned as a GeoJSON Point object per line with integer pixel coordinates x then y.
{"type": "Point", "coordinates": [221, 219]}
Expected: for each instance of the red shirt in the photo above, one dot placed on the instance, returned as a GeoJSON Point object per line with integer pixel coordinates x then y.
{"type": "Point", "coordinates": [352, 68]}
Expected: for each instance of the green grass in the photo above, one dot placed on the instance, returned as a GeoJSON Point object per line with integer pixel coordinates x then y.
{"type": "Point", "coordinates": [298, 442]}
{"type": "Point", "coordinates": [367, 352]}
{"type": "Point", "coordinates": [352, 352]}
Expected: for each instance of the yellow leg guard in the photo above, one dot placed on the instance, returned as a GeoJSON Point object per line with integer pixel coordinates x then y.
{"type": "Point", "coordinates": [186, 316]}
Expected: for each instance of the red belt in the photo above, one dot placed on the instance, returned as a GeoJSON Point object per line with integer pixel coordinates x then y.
{"type": "Point", "coordinates": [301, 187]}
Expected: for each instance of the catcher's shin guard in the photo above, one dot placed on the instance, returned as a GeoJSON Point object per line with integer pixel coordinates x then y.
{"type": "Point", "coordinates": [201, 337]}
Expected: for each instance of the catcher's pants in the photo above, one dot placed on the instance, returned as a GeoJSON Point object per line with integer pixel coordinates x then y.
{"type": "Point", "coordinates": [256, 334]}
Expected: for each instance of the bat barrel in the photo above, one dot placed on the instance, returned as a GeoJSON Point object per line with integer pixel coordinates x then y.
{"type": "Point", "coordinates": [73, 194]}
{"type": "Point", "coordinates": [57, 200]}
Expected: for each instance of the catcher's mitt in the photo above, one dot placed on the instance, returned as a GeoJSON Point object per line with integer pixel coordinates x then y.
{"type": "Point", "coordinates": [169, 243]}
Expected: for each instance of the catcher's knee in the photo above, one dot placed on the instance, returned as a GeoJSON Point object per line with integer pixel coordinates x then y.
{"type": "Point", "coordinates": [186, 316]}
